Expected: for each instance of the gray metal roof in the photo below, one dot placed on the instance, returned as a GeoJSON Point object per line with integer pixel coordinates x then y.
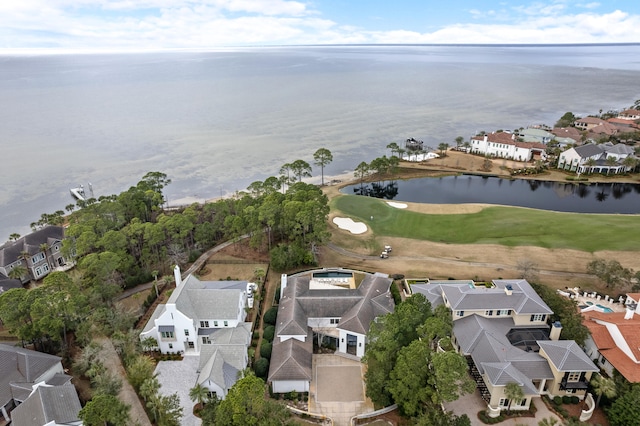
{"type": "Point", "coordinates": [503, 373]}
{"type": "Point", "coordinates": [291, 359]}
{"type": "Point", "coordinates": [485, 339]}
{"type": "Point", "coordinates": [356, 308]}
{"type": "Point", "coordinates": [225, 357]}
{"type": "Point", "coordinates": [588, 150]}
{"type": "Point", "coordinates": [205, 299]}
{"type": "Point", "coordinates": [21, 366]}
{"type": "Point", "coordinates": [47, 404]}
{"type": "Point", "coordinates": [566, 355]}
{"type": "Point", "coordinates": [522, 300]}
{"type": "Point", "coordinates": [12, 250]}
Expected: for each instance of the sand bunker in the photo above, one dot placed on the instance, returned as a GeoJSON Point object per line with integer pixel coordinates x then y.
{"type": "Point", "coordinates": [350, 225]}
{"type": "Point", "coordinates": [397, 205]}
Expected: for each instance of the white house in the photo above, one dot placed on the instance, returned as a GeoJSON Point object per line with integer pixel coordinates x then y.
{"type": "Point", "coordinates": [596, 158]}
{"type": "Point", "coordinates": [205, 318]}
{"type": "Point", "coordinates": [506, 145]}
{"type": "Point", "coordinates": [327, 308]}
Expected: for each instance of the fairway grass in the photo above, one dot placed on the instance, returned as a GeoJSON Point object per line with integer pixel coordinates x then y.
{"type": "Point", "coordinates": [507, 226]}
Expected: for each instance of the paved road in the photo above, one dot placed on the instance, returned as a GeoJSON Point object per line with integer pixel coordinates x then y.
{"type": "Point", "coordinates": [458, 262]}
{"type": "Point", "coordinates": [193, 268]}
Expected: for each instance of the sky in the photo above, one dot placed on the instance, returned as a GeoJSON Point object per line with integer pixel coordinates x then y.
{"type": "Point", "coordinates": [139, 25]}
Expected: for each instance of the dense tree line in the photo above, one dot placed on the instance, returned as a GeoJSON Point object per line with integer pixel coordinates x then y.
{"type": "Point", "coordinates": [404, 366]}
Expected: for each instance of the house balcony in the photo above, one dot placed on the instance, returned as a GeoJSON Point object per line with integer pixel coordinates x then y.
{"type": "Point", "coordinates": [579, 385]}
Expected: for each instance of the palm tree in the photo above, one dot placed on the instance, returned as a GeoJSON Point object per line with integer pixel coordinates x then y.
{"type": "Point", "coordinates": [630, 162]}
{"type": "Point", "coordinates": [154, 274]}
{"type": "Point", "coordinates": [149, 388]}
{"type": "Point", "coordinates": [611, 161]}
{"type": "Point", "coordinates": [590, 163]}
{"type": "Point", "coordinates": [443, 148]}
{"type": "Point", "coordinates": [44, 247]}
{"type": "Point", "coordinates": [14, 236]}
{"type": "Point", "coordinates": [513, 392]}
{"type": "Point", "coordinates": [199, 394]}
{"type": "Point", "coordinates": [459, 141]}
{"type": "Point", "coordinates": [603, 386]}
{"type": "Point", "coordinates": [18, 273]}
{"type": "Point", "coordinates": [322, 157]}
{"type": "Point", "coordinates": [550, 421]}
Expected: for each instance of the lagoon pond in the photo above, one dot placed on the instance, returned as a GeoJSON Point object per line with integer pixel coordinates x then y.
{"type": "Point", "coordinates": [616, 198]}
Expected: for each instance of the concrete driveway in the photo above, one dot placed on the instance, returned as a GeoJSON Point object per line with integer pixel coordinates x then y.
{"type": "Point", "coordinates": [179, 377]}
{"type": "Point", "coordinates": [471, 404]}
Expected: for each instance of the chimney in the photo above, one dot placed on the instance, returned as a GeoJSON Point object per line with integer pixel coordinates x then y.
{"type": "Point", "coordinates": [554, 333]}
{"type": "Point", "coordinates": [508, 289]}
{"type": "Point", "coordinates": [629, 314]}
{"type": "Point", "coordinates": [177, 276]}
{"type": "Point", "coordinates": [283, 283]}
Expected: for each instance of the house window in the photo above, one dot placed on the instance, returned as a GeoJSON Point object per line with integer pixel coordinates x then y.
{"type": "Point", "coordinates": [522, 402]}
{"type": "Point", "coordinates": [573, 376]}
{"type": "Point", "coordinates": [503, 312]}
{"type": "Point", "coordinates": [538, 317]}
{"type": "Point", "coordinates": [226, 323]}
{"type": "Point", "coordinates": [206, 340]}
{"type": "Point", "coordinates": [166, 334]}
{"type": "Point", "coordinates": [334, 320]}
{"type": "Point", "coordinates": [504, 402]}
{"type": "Point", "coordinates": [460, 313]}
{"type": "Point", "coordinates": [489, 312]}
{"type": "Point", "coordinates": [571, 391]}
{"type": "Point", "coordinates": [215, 323]}
{"type": "Point", "coordinates": [204, 324]}
{"type": "Point", "coordinates": [212, 395]}
{"type": "Point", "coordinates": [170, 345]}
{"type": "Point", "coordinates": [191, 345]}
{"type": "Point", "coordinates": [37, 258]}
{"type": "Point", "coordinates": [186, 332]}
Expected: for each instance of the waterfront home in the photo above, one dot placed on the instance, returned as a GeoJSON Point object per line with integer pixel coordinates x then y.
{"type": "Point", "coordinates": [328, 307]}
{"type": "Point", "coordinates": [614, 342]}
{"type": "Point", "coordinates": [630, 114]}
{"type": "Point", "coordinates": [205, 319]}
{"type": "Point", "coordinates": [30, 387]}
{"type": "Point", "coordinates": [535, 135]}
{"type": "Point", "coordinates": [501, 327]}
{"type": "Point", "coordinates": [596, 158]}
{"type": "Point", "coordinates": [588, 123]}
{"type": "Point", "coordinates": [506, 145]}
{"type": "Point", "coordinates": [39, 252]}
{"type": "Point", "coordinates": [567, 136]}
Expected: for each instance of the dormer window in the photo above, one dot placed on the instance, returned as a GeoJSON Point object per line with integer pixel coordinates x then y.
{"type": "Point", "coordinates": [538, 317]}
{"type": "Point", "coordinates": [204, 324]}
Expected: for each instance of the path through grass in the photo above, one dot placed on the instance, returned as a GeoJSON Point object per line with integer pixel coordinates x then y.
{"type": "Point", "coordinates": [508, 226]}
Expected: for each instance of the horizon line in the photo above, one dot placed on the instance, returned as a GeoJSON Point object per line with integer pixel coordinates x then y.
{"type": "Point", "coordinates": [88, 51]}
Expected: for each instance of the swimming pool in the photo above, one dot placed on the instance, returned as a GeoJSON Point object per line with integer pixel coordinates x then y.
{"type": "Point", "coordinates": [605, 309]}
{"type": "Point", "coordinates": [332, 274]}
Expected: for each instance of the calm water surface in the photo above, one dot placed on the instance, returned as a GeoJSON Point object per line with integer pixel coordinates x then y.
{"type": "Point", "coordinates": [556, 196]}
{"type": "Point", "coordinates": [217, 121]}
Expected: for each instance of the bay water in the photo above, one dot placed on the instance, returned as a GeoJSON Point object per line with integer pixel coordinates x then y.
{"type": "Point", "coordinates": [216, 121]}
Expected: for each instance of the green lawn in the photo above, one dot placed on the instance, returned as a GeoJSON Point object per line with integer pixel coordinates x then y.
{"type": "Point", "coordinates": [508, 226]}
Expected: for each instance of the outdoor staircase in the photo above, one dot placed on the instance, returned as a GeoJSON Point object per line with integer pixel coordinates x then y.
{"type": "Point", "coordinates": [477, 377]}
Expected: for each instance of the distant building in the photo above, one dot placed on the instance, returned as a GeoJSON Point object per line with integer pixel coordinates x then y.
{"type": "Point", "coordinates": [596, 158]}
{"type": "Point", "coordinates": [506, 145]}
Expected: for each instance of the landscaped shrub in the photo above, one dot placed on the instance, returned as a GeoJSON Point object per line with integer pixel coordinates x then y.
{"type": "Point", "coordinates": [268, 333]}
{"type": "Point", "coordinates": [575, 400]}
{"type": "Point", "coordinates": [557, 400]}
{"type": "Point", "coordinates": [265, 350]}
{"type": "Point", "coordinates": [261, 367]}
{"type": "Point", "coordinates": [395, 292]}
{"type": "Point", "coordinates": [277, 296]}
{"type": "Point", "coordinates": [484, 418]}
{"type": "Point", "coordinates": [270, 316]}
{"type": "Point", "coordinates": [256, 334]}
{"type": "Point", "coordinates": [566, 399]}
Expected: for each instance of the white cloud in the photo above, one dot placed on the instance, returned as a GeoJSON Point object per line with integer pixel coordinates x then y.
{"type": "Point", "coordinates": [204, 24]}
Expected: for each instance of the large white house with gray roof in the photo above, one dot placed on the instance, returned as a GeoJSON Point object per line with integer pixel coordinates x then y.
{"type": "Point", "coordinates": [329, 307]}
{"type": "Point", "coordinates": [501, 327]}
{"type": "Point", "coordinates": [205, 318]}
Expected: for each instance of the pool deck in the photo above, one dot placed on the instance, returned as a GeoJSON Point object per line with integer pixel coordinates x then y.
{"type": "Point", "coordinates": [592, 300]}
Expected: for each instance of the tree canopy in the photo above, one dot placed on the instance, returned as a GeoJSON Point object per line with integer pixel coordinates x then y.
{"type": "Point", "coordinates": [403, 365]}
